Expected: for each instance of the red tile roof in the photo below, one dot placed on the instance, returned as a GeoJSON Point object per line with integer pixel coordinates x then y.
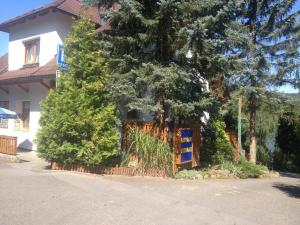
{"type": "Point", "coordinates": [72, 7]}
{"type": "Point", "coordinates": [3, 63]}
{"type": "Point", "coordinates": [30, 73]}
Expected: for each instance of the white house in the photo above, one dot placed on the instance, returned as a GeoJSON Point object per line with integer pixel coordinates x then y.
{"type": "Point", "coordinates": [28, 70]}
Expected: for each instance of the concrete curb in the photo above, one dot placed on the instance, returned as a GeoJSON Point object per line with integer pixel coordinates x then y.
{"type": "Point", "coordinates": [9, 158]}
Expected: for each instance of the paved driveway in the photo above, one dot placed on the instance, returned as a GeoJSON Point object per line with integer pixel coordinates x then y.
{"type": "Point", "coordinates": [30, 194]}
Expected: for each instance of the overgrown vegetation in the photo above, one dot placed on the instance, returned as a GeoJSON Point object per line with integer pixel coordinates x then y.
{"type": "Point", "coordinates": [216, 148]}
{"type": "Point", "coordinates": [287, 152]}
{"type": "Point", "coordinates": [229, 169]}
{"type": "Point", "coordinates": [78, 121]}
{"type": "Point", "coordinates": [270, 109]}
{"type": "Point", "coordinates": [244, 169]}
{"type": "Point", "coordinates": [152, 153]}
{"type": "Point", "coordinates": [264, 156]}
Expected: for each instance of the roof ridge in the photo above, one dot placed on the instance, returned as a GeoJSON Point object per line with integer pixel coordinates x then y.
{"type": "Point", "coordinates": [4, 55]}
{"type": "Point", "coordinates": [56, 3]}
{"type": "Point", "coordinates": [69, 6]}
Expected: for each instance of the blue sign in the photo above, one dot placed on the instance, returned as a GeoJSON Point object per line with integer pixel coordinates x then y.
{"type": "Point", "coordinates": [186, 145]}
{"type": "Point", "coordinates": [186, 133]}
{"type": "Point", "coordinates": [186, 156]}
{"type": "Point", "coordinates": [60, 57]}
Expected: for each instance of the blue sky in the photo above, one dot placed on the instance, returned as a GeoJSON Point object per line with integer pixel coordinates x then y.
{"type": "Point", "coordinates": [12, 8]}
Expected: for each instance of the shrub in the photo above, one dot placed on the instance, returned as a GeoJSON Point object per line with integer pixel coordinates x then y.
{"type": "Point", "coordinates": [188, 174]}
{"type": "Point", "coordinates": [217, 147]}
{"type": "Point", "coordinates": [244, 169]}
{"type": "Point", "coordinates": [152, 153]}
{"type": "Point", "coordinates": [287, 152]}
{"type": "Point", "coordinates": [78, 122]}
{"type": "Point", "coordinates": [229, 169]}
{"type": "Point", "coordinates": [263, 156]}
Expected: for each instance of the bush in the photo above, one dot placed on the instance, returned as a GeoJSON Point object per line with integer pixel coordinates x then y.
{"type": "Point", "coordinates": [244, 169]}
{"type": "Point", "coordinates": [78, 121]}
{"type": "Point", "coordinates": [217, 147]}
{"type": "Point", "coordinates": [152, 153]}
{"type": "Point", "coordinates": [287, 152]}
{"type": "Point", "coordinates": [263, 156]}
{"type": "Point", "coordinates": [240, 169]}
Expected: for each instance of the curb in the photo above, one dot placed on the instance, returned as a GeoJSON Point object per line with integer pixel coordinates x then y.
{"type": "Point", "coordinates": [9, 158]}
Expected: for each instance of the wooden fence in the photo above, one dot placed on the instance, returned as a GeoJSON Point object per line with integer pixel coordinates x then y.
{"type": "Point", "coordinates": [8, 145]}
{"type": "Point", "coordinates": [171, 134]}
{"type": "Point", "coordinates": [125, 171]}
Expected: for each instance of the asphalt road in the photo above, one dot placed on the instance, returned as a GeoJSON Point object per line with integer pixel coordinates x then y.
{"type": "Point", "coordinates": [31, 194]}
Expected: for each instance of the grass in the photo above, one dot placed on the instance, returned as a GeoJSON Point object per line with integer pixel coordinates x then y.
{"type": "Point", "coordinates": [152, 153]}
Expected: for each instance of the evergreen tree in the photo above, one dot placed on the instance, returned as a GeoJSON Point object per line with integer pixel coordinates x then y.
{"type": "Point", "coordinates": [163, 51]}
{"type": "Point", "coordinates": [270, 54]}
{"type": "Point", "coordinates": [287, 153]}
{"type": "Point", "coordinates": [271, 107]}
{"type": "Point", "coordinates": [78, 122]}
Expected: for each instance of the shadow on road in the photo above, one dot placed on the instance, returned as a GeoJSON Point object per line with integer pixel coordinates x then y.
{"type": "Point", "coordinates": [291, 175]}
{"type": "Point", "coordinates": [290, 190]}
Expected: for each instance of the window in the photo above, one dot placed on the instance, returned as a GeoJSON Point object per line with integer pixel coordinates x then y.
{"type": "Point", "coordinates": [32, 51]}
{"type": "Point", "coordinates": [52, 84]}
{"type": "Point", "coordinates": [25, 115]}
{"type": "Point", "coordinates": [23, 110]}
{"type": "Point", "coordinates": [4, 122]}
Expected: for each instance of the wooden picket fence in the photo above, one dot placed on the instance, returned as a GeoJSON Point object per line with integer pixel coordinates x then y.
{"type": "Point", "coordinates": [116, 170]}
{"type": "Point", "coordinates": [8, 145]}
{"type": "Point", "coordinates": [171, 134]}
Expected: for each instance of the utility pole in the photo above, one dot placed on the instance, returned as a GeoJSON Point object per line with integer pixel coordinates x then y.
{"type": "Point", "coordinates": [240, 125]}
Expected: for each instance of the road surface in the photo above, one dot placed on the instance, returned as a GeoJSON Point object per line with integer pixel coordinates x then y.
{"type": "Point", "coordinates": [30, 194]}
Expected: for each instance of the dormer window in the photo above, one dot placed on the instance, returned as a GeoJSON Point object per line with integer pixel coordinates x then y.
{"type": "Point", "coordinates": [32, 51]}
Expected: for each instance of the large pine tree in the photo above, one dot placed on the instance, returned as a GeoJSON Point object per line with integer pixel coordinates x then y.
{"type": "Point", "coordinates": [163, 51]}
{"type": "Point", "coordinates": [270, 55]}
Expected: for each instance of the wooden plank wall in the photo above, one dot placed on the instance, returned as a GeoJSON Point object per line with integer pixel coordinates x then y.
{"type": "Point", "coordinates": [8, 145]}
{"type": "Point", "coordinates": [164, 132]}
{"type": "Point", "coordinates": [156, 130]}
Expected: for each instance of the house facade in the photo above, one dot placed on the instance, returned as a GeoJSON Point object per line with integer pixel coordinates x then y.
{"type": "Point", "coordinates": [28, 71]}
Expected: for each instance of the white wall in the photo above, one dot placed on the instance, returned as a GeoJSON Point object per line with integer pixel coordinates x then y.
{"type": "Point", "coordinates": [51, 28]}
{"type": "Point", "coordinates": [26, 139]}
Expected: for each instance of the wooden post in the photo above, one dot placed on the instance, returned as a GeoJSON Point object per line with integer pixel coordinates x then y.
{"type": "Point", "coordinates": [240, 125]}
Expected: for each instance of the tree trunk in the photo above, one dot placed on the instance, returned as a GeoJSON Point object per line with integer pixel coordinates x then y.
{"type": "Point", "coordinates": [252, 99]}
{"type": "Point", "coordinates": [252, 109]}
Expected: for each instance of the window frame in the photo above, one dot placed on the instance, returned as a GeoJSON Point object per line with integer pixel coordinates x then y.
{"type": "Point", "coordinates": [32, 45]}
{"type": "Point", "coordinates": [26, 121]}
{"type": "Point", "coordinates": [23, 123]}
